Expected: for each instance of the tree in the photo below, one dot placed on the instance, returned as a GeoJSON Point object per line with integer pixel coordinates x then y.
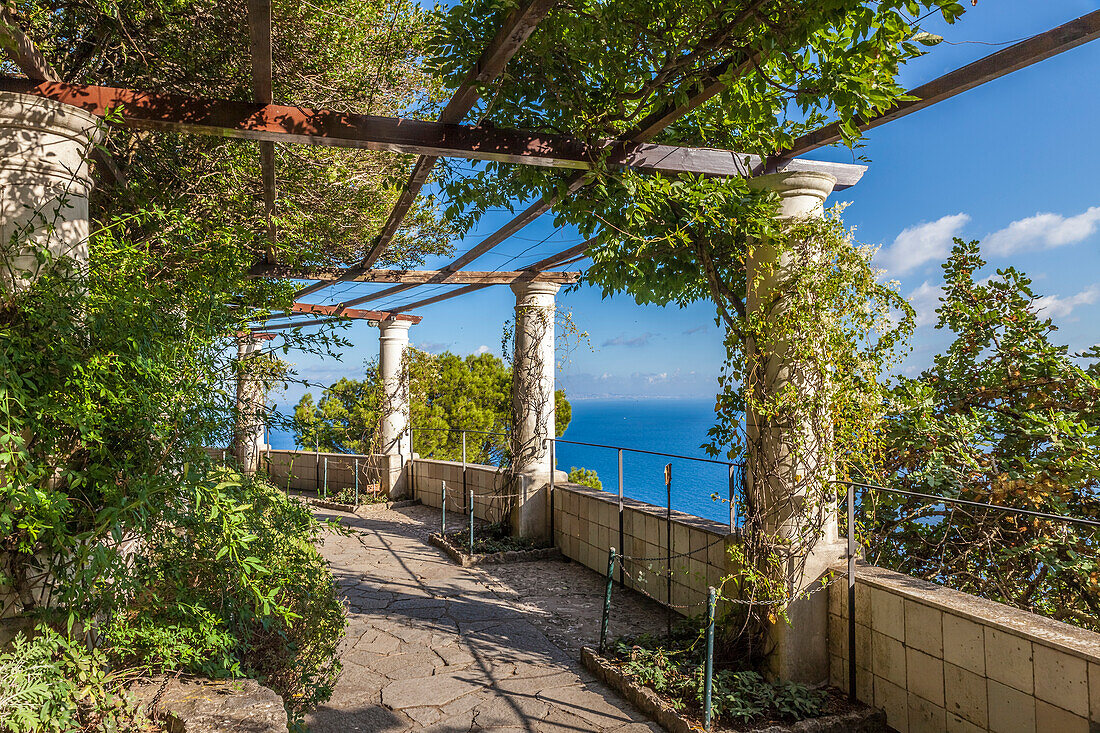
{"type": "Point", "coordinates": [1003, 416]}
{"type": "Point", "coordinates": [447, 393]}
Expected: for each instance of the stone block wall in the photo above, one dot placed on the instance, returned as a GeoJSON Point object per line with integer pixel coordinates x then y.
{"type": "Point", "coordinates": [586, 526]}
{"type": "Point", "coordinates": [427, 486]}
{"type": "Point", "coordinates": [936, 659]}
{"type": "Point", "coordinates": [306, 471]}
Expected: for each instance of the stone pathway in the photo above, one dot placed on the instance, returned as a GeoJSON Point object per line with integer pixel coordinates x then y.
{"type": "Point", "coordinates": [433, 646]}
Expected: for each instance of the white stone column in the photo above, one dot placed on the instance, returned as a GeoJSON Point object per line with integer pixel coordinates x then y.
{"type": "Point", "coordinates": [533, 404]}
{"type": "Point", "coordinates": [788, 468]}
{"type": "Point", "coordinates": [395, 447]}
{"type": "Point", "coordinates": [248, 439]}
{"type": "Point", "coordinates": [44, 186]}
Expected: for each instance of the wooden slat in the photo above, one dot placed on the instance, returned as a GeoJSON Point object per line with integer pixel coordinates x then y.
{"type": "Point", "coordinates": [282, 123]}
{"type": "Point", "coordinates": [1000, 63]}
{"type": "Point", "coordinates": [552, 261]}
{"type": "Point", "coordinates": [414, 277]}
{"type": "Point", "coordinates": [332, 310]}
{"type": "Point", "coordinates": [513, 32]}
{"type": "Point", "coordinates": [259, 36]}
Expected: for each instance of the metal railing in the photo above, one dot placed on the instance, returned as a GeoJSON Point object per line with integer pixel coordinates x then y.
{"type": "Point", "coordinates": [931, 498]}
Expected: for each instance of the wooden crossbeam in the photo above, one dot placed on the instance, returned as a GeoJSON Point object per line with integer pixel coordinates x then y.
{"type": "Point", "coordinates": [282, 123]}
{"type": "Point", "coordinates": [332, 310]}
{"type": "Point", "coordinates": [331, 275]}
{"type": "Point", "coordinates": [259, 34]}
{"type": "Point", "coordinates": [513, 32]}
{"type": "Point", "coordinates": [553, 260]}
{"type": "Point", "coordinates": [989, 68]}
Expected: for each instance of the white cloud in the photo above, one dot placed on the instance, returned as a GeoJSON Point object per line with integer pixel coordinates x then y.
{"type": "Point", "coordinates": [483, 349]}
{"type": "Point", "coordinates": [922, 243]}
{"type": "Point", "coordinates": [1043, 231]}
{"type": "Point", "coordinates": [1052, 306]}
{"type": "Point", "coordinates": [925, 300]}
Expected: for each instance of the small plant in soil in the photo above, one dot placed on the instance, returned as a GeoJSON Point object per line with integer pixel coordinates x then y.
{"type": "Point", "coordinates": [741, 698]}
{"type": "Point", "coordinates": [496, 537]}
{"type": "Point", "coordinates": [347, 496]}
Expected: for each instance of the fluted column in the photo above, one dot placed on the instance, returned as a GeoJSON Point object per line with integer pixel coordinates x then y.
{"type": "Point", "coordinates": [248, 439]}
{"type": "Point", "coordinates": [533, 403]}
{"type": "Point", "coordinates": [44, 187]}
{"type": "Point", "coordinates": [393, 339]}
{"type": "Point", "coordinates": [788, 462]}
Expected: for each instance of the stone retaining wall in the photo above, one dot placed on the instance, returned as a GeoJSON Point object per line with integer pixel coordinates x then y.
{"type": "Point", "coordinates": [428, 478]}
{"type": "Point", "coordinates": [586, 526]}
{"type": "Point", "coordinates": [936, 659]}
{"type": "Point", "coordinates": [306, 471]}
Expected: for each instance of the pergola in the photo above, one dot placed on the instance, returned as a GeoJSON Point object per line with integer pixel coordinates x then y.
{"type": "Point", "coordinates": [802, 184]}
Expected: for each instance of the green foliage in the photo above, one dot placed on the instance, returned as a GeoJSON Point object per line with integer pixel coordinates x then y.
{"type": "Point", "coordinates": [495, 537]}
{"type": "Point", "coordinates": [585, 477]}
{"type": "Point", "coordinates": [1004, 416]}
{"type": "Point", "coordinates": [49, 682]}
{"type": "Point", "coordinates": [354, 56]}
{"type": "Point", "coordinates": [673, 668]}
{"type": "Point", "coordinates": [446, 392]}
{"type": "Point", "coordinates": [234, 586]}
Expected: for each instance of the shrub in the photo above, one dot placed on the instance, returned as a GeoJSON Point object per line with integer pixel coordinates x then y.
{"type": "Point", "coordinates": [236, 587]}
{"type": "Point", "coordinates": [585, 477]}
{"type": "Point", "coordinates": [49, 682]}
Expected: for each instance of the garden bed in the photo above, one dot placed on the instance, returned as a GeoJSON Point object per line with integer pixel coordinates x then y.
{"type": "Point", "coordinates": [367, 503]}
{"type": "Point", "coordinates": [494, 548]}
{"type": "Point", "coordinates": [834, 713]}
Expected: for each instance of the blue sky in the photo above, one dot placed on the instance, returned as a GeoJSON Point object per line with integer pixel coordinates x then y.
{"type": "Point", "coordinates": [1015, 163]}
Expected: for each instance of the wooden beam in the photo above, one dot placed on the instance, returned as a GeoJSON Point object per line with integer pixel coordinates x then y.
{"type": "Point", "coordinates": [552, 261]}
{"type": "Point", "coordinates": [545, 264]}
{"type": "Point", "coordinates": [1000, 63]}
{"type": "Point", "coordinates": [282, 123]}
{"type": "Point", "coordinates": [331, 275]}
{"type": "Point", "coordinates": [513, 32]}
{"type": "Point", "coordinates": [333, 310]}
{"type": "Point", "coordinates": [259, 36]}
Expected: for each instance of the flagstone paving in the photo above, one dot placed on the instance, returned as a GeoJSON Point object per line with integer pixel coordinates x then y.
{"type": "Point", "coordinates": [432, 646]}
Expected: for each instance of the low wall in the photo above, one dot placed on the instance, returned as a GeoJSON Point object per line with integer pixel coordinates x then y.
{"type": "Point", "coordinates": [936, 659]}
{"type": "Point", "coordinates": [586, 526]}
{"type": "Point", "coordinates": [427, 486]}
{"type": "Point", "coordinates": [311, 470]}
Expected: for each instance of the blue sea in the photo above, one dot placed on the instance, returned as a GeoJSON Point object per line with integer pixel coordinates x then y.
{"type": "Point", "coordinates": [676, 426]}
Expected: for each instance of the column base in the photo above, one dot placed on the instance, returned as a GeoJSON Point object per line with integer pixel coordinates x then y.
{"type": "Point", "coordinates": [393, 478]}
{"type": "Point", "coordinates": [531, 513]}
{"type": "Point", "coordinates": [800, 649]}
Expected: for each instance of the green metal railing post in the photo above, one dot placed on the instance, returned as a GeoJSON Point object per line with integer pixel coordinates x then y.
{"type": "Point", "coordinates": [443, 513]}
{"type": "Point", "coordinates": [550, 492]}
{"type": "Point", "coordinates": [325, 495]}
{"type": "Point", "coordinates": [708, 665]}
{"type": "Point", "coordinates": [357, 482]}
{"type": "Point", "coordinates": [607, 598]}
{"type": "Point", "coordinates": [465, 484]}
{"type": "Point", "coordinates": [622, 540]}
{"type": "Point", "coordinates": [471, 496]}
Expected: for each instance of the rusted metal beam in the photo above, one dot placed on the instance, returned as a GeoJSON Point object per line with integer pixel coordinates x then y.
{"type": "Point", "coordinates": [259, 35]}
{"type": "Point", "coordinates": [513, 32]}
{"type": "Point", "coordinates": [282, 123]}
{"type": "Point", "coordinates": [1000, 63]}
{"type": "Point", "coordinates": [331, 275]}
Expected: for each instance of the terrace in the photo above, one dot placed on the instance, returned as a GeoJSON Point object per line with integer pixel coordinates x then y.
{"type": "Point", "coordinates": [432, 644]}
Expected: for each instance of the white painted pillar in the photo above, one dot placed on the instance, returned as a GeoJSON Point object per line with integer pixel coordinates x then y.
{"type": "Point", "coordinates": [248, 439]}
{"type": "Point", "coordinates": [44, 187]}
{"type": "Point", "coordinates": [393, 339]}
{"type": "Point", "coordinates": [789, 465]}
{"type": "Point", "coordinates": [533, 369]}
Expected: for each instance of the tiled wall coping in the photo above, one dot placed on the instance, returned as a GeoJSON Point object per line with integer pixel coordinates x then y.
{"type": "Point", "coordinates": [707, 525]}
{"type": "Point", "coordinates": [1064, 637]}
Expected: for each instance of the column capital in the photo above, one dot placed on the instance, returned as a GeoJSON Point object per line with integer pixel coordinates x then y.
{"type": "Point", "coordinates": [394, 328]}
{"type": "Point", "coordinates": [535, 293]}
{"type": "Point", "coordinates": [802, 193]}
